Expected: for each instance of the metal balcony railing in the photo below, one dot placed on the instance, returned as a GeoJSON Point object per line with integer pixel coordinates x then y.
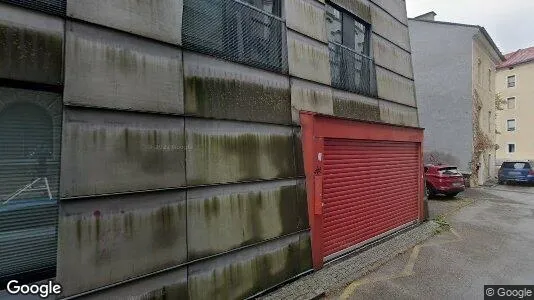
{"type": "Point", "coordinates": [352, 71]}
{"type": "Point", "coordinates": [55, 7]}
{"type": "Point", "coordinates": [235, 31]}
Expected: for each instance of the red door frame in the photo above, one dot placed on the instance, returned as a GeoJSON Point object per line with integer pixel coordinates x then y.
{"type": "Point", "coordinates": [316, 127]}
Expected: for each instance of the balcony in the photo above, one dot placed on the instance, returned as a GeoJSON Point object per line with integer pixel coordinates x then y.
{"type": "Point", "coordinates": [235, 31]}
{"type": "Point", "coordinates": [352, 71]}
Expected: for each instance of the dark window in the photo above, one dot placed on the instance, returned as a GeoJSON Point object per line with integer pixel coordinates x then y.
{"type": "Point", "coordinates": [448, 171]}
{"type": "Point", "coordinates": [236, 31]}
{"type": "Point", "coordinates": [510, 125]}
{"type": "Point", "coordinates": [349, 38]}
{"type": "Point", "coordinates": [29, 183]}
{"type": "Point", "coordinates": [269, 6]}
{"type": "Point", "coordinates": [511, 81]}
{"type": "Point", "coordinates": [511, 148]}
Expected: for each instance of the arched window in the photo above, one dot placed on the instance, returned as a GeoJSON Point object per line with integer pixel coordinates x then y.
{"type": "Point", "coordinates": [29, 176]}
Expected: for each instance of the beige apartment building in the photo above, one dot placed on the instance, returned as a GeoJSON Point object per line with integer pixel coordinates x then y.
{"type": "Point", "coordinates": [514, 83]}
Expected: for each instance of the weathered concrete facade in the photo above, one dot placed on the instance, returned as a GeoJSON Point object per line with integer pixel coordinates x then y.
{"type": "Point", "coordinates": [181, 169]}
{"type": "Point", "coordinates": [520, 65]}
{"type": "Point", "coordinates": [456, 102]}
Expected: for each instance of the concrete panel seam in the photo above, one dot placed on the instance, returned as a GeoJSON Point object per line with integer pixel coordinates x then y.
{"type": "Point", "coordinates": [312, 82]}
{"type": "Point", "coordinates": [189, 263]}
{"type": "Point", "coordinates": [104, 27]}
{"type": "Point", "coordinates": [185, 167]}
{"type": "Point", "coordinates": [395, 72]}
{"type": "Point", "coordinates": [397, 103]}
{"type": "Point", "coordinates": [82, 197]}
{"type": "Point", "coordinates": [273, 288]}
{"type": "Point", "coordinates": [187, 50]}
{"type": "Point", "coordinates": [306, 36]}
{"type": "Point", "coordinates": [380, 7]}
{"type": "Point", "coordinates": [392, 43]}
{"type": "Point", "coordinates": [385, 38]}
{"type": "Point", "coordinates": [29, 85]}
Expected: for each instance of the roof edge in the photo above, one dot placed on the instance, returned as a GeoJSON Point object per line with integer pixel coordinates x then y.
{"type": "Point", "coordinates": [431, 14]}
{"type": "Point", "coordinates": [492, 43]}
{"type": "Point", "coordinates": [528, 61]}
{"type": "Point", "coordinates": [481, 28]}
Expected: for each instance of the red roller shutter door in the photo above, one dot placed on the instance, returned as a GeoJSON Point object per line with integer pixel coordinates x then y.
{"type": "Point", "coordinates": [369, 188]}
{"type": "Point", "coordinates": [364, 181]}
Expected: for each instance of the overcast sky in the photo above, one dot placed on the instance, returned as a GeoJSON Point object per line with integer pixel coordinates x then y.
{"type": "Point", "coordinates": [509, 22]}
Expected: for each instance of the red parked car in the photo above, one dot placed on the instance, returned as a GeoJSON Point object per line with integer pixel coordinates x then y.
{"type": "Point", "coordinates": [443, 179]}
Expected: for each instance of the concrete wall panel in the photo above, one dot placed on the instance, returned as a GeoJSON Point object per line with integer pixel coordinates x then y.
{"type": "Point", "coordinates": [395, 87]}
{"type": "Point", "coordinates": [388, 27]}
{"type": "Point", "coordinates": [396, 8]}
{"type": "Point", "coordinates": [354, 106]}
{"type": "Point", "coordinates": [168, 285]}
{"type": "Point", "coordinates": [161, 20]}
{"type": "Point", "coordinates": [227, 217]}
{"type": "Point", "coordinates": [110, 239]}
{"type": "Point", "coordinates": [392, 57]}
{"type": "Point", "coordinates": [394, 113]}
{"type": "Point", "coordinates": [110, 69]}
{"type": "Point", "coordinates": [225, 151]}
{"type": "Point", "coordinates": [309, 97]}
{"type": "Point", "coordinates": [244, 273]}
{"type": "Point", "coordinates": [308, 59]}
{"type": "Point", "coordinates": [306, 17]}
{"type": "Point", "coordinates": [220, 89]}
{"type": "Point", "coordinates": [299, 154]}
{"type": "Point", "coordinates": [112, 152]}
{"type": "Point", "coordinates": [358, 8]}
{"type": "Point", "coordinates": [31, 45]}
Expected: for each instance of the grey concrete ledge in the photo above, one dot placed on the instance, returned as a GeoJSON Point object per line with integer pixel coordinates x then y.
{"type": "Point", "coordinates": [344, 271]}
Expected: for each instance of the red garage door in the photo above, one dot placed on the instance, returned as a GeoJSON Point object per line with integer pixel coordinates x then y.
{"type": "Point", "coordinates": [364, 181]}
{"type": "Point", "coordinates": [369, 188]}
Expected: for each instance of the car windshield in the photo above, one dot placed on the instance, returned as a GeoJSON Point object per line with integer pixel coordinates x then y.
{"type": "Point", "coordinates": [515, 165]}
{"type": "Point", "coordinates": [449, 171]}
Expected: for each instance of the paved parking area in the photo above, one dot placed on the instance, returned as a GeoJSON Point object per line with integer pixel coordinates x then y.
{"type": "Point", "coordinates": [489, 241]}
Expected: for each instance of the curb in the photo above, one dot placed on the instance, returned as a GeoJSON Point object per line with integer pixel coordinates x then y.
{"type": "Point", "coordinates": [339, 274]}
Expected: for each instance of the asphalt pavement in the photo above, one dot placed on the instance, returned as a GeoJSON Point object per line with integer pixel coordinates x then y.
{"type": "Point", "coordinates": [487, 238]}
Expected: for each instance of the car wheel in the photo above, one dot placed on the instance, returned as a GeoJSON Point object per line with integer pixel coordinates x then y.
{"type": "Point", "coordinates": [429, 192]}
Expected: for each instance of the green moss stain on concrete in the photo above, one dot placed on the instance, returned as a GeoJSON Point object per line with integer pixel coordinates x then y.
{"type": "Point", "coordinates": [356, 110]}
{"type": "Point", "coordinates": [301, 206]}
{"type": "Point", "coordinates": [113, 246]}
{"type": "Point", "coordinates": [124, 60]}
{"type": "Point", "coordinates": [237, 100]}
{"type": "Point", "coordinates": [244, 277]}
{"type": "Point", "coordinates": [151, 151]}
{"type": "Point", "coordinates": [393, 116]}
{"type": "Point", "coordinates": [30, 55]}
{"type": "Point", "coordinates": [299, 153]}
{"type": "Point", "coordinates": [305, 254]}
{"type": "Point", "coordinates": [166, 223]}
{"type": "Point", "coordinates": [171, 292]}
{"type": "Point", "coordinates": [356, 7]}
{"type": "Point", "coordinates": [226, 158]}
{"type": "Point", "coordinates": [225, 222]}
{"type": "Point", "coordinates": [287, 203]}
{"type": "Point", "coordinates": [115, 159]}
